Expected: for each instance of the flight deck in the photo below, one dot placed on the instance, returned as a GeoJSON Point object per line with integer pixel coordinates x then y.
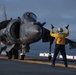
{"type": "Point", "coordinates": [35, 66]}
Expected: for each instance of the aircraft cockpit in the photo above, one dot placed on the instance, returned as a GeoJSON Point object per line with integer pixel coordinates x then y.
{"type": "Point", "coordinates": [29, 16]}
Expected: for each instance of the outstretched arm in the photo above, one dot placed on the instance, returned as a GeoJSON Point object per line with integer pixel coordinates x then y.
{"type": "Point", "coordinates": [51, 30]}
{"type": "Point", "coordinates": [67, 31]}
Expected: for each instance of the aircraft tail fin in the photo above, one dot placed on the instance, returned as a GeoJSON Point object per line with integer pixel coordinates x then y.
{"type": "Point", "coordinates": [4, 16]}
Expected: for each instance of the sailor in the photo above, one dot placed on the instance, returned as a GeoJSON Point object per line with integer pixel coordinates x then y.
{"type": "Point", "coordinates": [60, 43]}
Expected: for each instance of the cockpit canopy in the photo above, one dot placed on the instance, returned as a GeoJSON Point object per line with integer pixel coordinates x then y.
{"type": "Point", "coordinates": [29, 16]}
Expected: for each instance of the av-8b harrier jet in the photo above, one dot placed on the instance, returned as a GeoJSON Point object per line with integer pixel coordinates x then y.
{"type": "Point", "coordinates": [19, 33]}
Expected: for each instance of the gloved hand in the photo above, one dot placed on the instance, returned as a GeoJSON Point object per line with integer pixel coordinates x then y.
{"type": "Point", "coordinates": [67, 26]}
{"type": "Point", "coordinates": [52, 26]}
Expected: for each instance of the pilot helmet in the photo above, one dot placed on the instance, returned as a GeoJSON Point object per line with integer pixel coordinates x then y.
{"type": "Point", "coordinates": [60, 30]}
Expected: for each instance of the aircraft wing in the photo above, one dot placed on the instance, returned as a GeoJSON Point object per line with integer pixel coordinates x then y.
{"type": "Point", "coordinates": [46, 36]}
{"type": "Point", "coordinates": [4, 24]}
{"type": "Point", "coordinates": [71, 43]}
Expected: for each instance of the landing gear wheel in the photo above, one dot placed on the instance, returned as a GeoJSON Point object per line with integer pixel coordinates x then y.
{"type": "Point", "coordinates": [6, 53]}
{"type": "Point", "coordinates": [15, 53]}
{"type": "Point", "coordinates": [10, 54]}
{"type": "Point", "coordinates": [22, 57]}
{"type": "Point", "coordinates": [49, 57]}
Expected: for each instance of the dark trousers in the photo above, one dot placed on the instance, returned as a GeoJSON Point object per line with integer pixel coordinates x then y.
{"type": "Point", "coordinates": [61, 49]}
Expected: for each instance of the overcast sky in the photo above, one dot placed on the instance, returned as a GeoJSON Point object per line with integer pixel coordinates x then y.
{"type": "Point", "coordinates": [57, 12]}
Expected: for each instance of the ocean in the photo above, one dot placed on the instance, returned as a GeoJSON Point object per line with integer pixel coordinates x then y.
{"type": "Point", "coordinates": [40, 47]}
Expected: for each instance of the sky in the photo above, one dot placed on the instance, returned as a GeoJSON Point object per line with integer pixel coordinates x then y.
{"type": "Point", "coordinates": [60, 13]}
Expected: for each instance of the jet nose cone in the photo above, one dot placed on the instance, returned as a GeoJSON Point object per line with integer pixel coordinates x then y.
{"type": "Point", "coordinates": [30, 33]}
{"type": "Point", "coordinates": [36, 31]}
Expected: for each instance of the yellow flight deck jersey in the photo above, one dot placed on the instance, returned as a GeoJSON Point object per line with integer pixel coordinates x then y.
{"type": "Point", "coordinates": [59, 37]}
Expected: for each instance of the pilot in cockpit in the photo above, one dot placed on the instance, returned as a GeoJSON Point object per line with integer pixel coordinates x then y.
{"type": "Point", "coordinates": [29, 16]}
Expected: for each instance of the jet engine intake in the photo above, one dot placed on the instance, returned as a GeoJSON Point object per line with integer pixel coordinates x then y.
{"type": "Point", "coordinates": [13, 30]}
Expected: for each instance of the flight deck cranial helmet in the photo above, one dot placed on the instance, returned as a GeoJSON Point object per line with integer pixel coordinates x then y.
{"type": "Point", "coordinates": [60, 30]}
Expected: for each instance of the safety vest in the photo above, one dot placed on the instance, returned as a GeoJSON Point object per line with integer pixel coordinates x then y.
{"type": "Point", "coordinates": [59, 37]}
